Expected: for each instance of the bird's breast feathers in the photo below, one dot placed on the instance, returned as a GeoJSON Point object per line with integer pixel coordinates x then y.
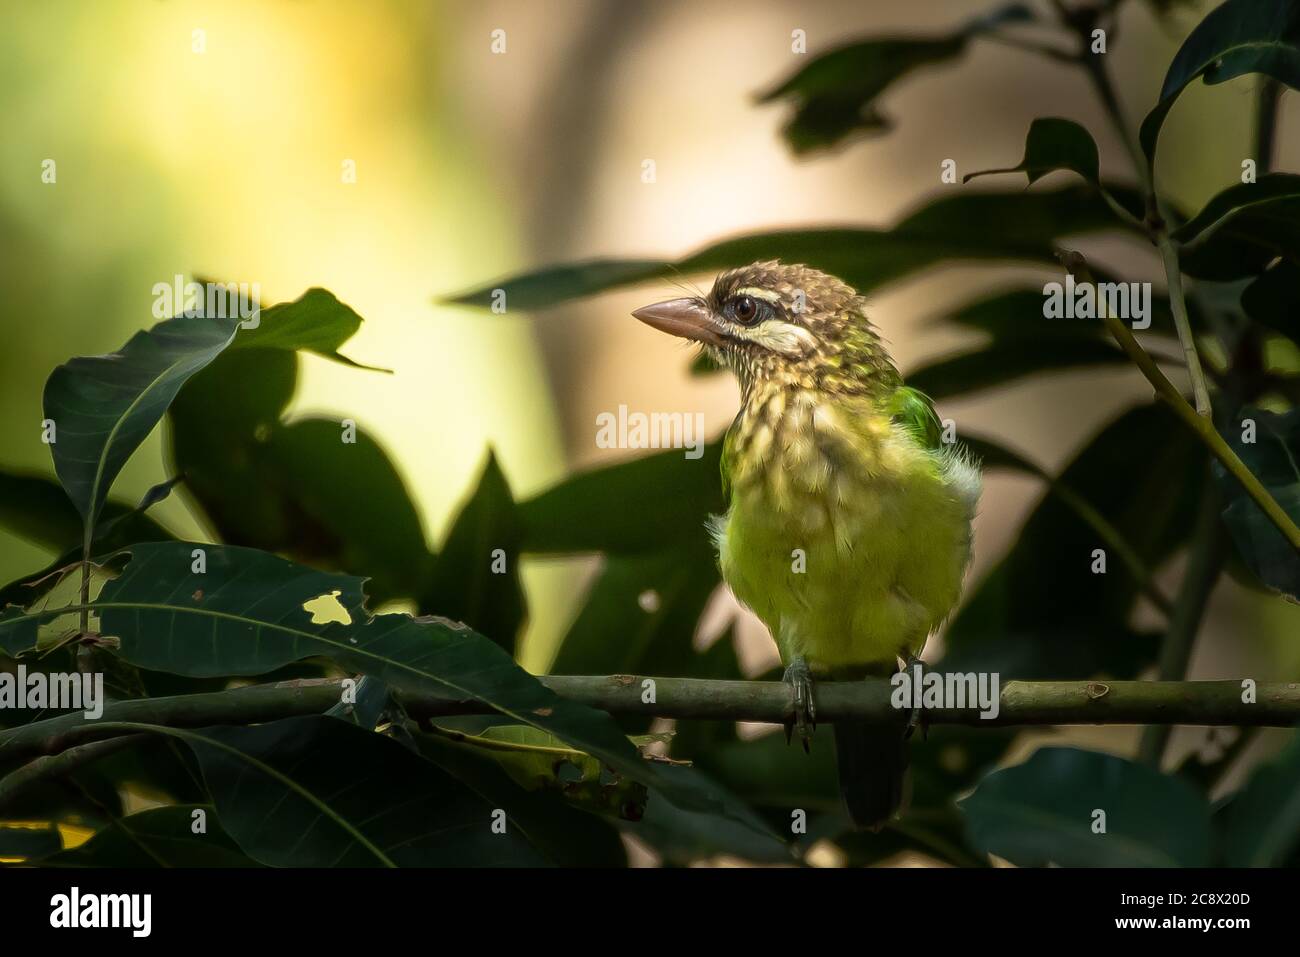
{"type": "Point", "coordinates": [845, 535]}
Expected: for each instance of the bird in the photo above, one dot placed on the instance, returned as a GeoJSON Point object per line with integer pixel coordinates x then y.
{"type": "Point", "coordinates": [848, 528]}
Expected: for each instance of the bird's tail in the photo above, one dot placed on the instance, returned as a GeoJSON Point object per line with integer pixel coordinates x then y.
{"type": "Point", "coordinates": [872, 760]}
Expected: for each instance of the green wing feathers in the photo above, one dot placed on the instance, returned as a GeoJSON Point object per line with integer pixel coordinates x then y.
{"type": "Point", "coordinates": [914, 410]}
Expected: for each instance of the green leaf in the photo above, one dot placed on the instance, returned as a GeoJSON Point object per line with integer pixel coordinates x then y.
{"type": "Point", "coordinates": [1273, 299]}
{"type": "Point", "coordinates": [993, 455]}
{"type": "Point", "coordinates": [103, 407]}
{"type": "Point", "coordinates": [632, 507]}
{"type": "Point", "coordinates": [159, 837]}
{"type": "Point", "coordinates": [37, 509]}
{"type": "Point", "coordinates": [1042, 612]}
{"type": "Point", "coordinates": [1268, 195]}
{"type": "Point", "coordinates": [1042, 812]}
{"type": "Point", "coordinates": [475, 577]}
{"type": "Point", "coordinates": [251, 612]}
{"type": "Point", "coordinates": [1054, 144]}
{"type": "Point", "coordinates": [319, 499]}
{"type": "Point", "coordinates": [537, 761]}
{"type": "Point", "coordinates": [1017, 312]}
{"type": "Point", "coordinates": [641, 613]}
{"type": "Point", "coordinates": [314, 322]}
{"type": "Point", "coordinates": [1261, 822]}
{"type": "Point", "coordinates": [567, 836]}
{"type": "Point", "coordinates": [952, 228]}
{"type": "Point", "coordinates": [1007, 359]}
{"type": "Point", "coordinates": [316, 792]}
{"type": "Point", "coordinates": [1243, 229]}
{"type": "Point", "coordinates": [683, 835]}
{"type": "Point", "coordinates": [1272, 454]}
{"type": "Point", "coordinates": [1236, 38]}
{"type": "Point", "coordinates": [835, 95]}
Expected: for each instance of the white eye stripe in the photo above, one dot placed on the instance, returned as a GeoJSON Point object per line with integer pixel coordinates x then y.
{"type": "Point", "coordinates": [767, 295]}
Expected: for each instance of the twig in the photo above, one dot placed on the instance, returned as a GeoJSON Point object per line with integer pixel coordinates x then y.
{"type": "Point", "coordinates": [1202, 426]}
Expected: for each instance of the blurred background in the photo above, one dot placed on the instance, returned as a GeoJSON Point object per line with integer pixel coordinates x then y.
{"type": "Point", "coordinates": [227, 162]}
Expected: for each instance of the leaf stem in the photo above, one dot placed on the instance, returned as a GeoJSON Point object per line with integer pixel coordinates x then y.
{"type": "Point", "coordinates": [1178, 306]}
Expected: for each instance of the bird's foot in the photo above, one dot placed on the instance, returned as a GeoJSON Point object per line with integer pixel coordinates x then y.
{"type": "Point", "coordinates": [804, 715]}
{"type": "Point", "coordinates": [915, 668]}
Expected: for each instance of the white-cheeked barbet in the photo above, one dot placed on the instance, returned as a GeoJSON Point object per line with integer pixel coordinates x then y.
{"type": "Point", "coordinates": [849, 527]}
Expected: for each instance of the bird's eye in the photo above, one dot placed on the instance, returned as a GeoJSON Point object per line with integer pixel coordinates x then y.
{"type": "Point", "coordinates": [745, 309]}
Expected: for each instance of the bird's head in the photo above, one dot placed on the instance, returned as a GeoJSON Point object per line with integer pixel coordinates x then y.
{"type": "Point", "coordinates": [782, 324]}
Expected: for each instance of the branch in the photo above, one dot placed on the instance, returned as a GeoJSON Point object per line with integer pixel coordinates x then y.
{"type": "Point", "coordinates": [1020, 703]}
{"type": "Point", "coordinates": [1201, 425]}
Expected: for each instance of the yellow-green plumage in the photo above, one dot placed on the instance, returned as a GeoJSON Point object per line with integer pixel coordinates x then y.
{"type": "Point", "coordinates": [849, 526]}
{"type": "Point", "coordinates": [881, 524]}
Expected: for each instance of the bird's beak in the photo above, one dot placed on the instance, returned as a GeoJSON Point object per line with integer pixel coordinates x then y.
{"type": "Point", "coordinates": [687, 318]}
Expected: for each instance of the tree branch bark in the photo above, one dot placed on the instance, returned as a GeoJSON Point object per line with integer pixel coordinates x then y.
{"type": "Point", "coordinates": [1276, 704]}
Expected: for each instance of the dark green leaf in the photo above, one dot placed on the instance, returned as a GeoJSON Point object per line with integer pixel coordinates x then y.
{"type": "Point", "coordinates": [250, 612]}
{"type": "Point", "coordinates": [1054, 144]}
{"type": "Point", "coordinates": [1261, 822]}
{"type": "Point", "coordinates": [37, 509]}
{"type": "Point", "coordinates": [1269, 445]}
{"type": "Point", "coordinates": [1043, 612]}
{"type": "Point", "coordinates": [316, 792]}
{"type": "Point", "coordinates": [567, 836]}
{"type": "Point", "coordinates": [952, 228]}
{"type": "Point", "coordinates": [632, 507]}
{"type": "Point", "coordinates": [683, 836]}
{"type": "Point", "coordinates": [1005, 360]}
{"type": "Point", "coordinates": [1018, 313]}
{"type": "Point", "coordinates": [835, 95]}
{"type": "Point", "coordinates": [159, 837]}
{"type": "Point", "coordinates": [1243, 229]}
{"type": "Point", "coordinates": [1273, 299]}
{"type": "Point", "coordinates": [319, 499]}
{"type": "Point", "coordinates": [475, 577]}
{"type": "Point", "coordinates": [642, 612]}
{"type": "Point", "coordinates": [103, 407]}
{"type": "Point", "coordinates": [1245, 204]}
{"type": "Point", "coordinates": [1043, 812]}
{"type": "Point", "coordinates": [1236, 38]}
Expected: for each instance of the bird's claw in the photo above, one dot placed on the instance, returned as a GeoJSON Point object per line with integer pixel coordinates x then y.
{"type": "Point", "coordinates": [803, 716]}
